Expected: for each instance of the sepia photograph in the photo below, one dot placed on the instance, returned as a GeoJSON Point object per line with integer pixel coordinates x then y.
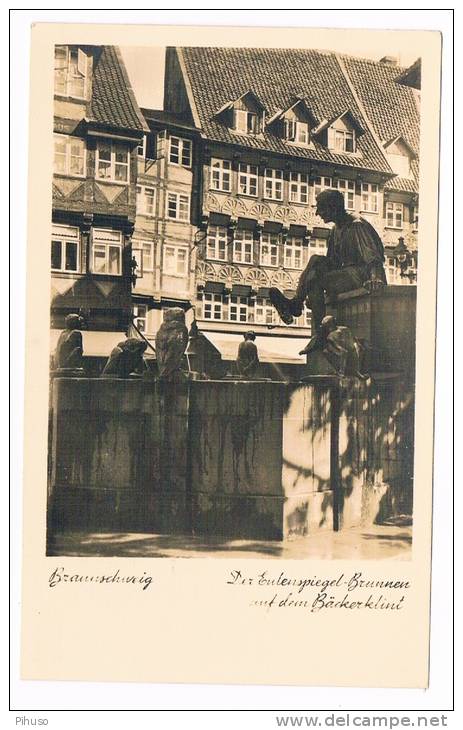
{"type": "Point", "coordinates": [230, 336]}
{"type": "Point", "coordinates": [233, 275]}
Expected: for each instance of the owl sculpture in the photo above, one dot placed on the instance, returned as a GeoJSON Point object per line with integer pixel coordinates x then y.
{"type": "Point", "coordinates": [171, 343]}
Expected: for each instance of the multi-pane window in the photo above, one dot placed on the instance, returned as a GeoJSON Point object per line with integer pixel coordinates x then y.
{"type": "Point", "coordinates": [369, 197]}
{"type": "Point", "coordinates": [297, 131]}
{"type": "Point", "coordinates": [180, 151]}
{"type": "Point", "coordinates": [246, 122]}
{"type": "Point", "coordinates": [143, 252]}
{"type": "Point", "coordinates": [414, 216]}
{"type": "Point", "coordinates": [247, 179]}
{"type": "Point", "coordinates": [141, 148]}
{"type": "Point", "coordinates": [242, 246]}
{"type": "Point", "coordinates": [317, 246]}
{"type": "Point", "coordinates": [394, 215]}
{"type": "Point", "coordinates": [221, 175]}
{"type": "Point", "coordinates": [69, 155]}
{"type": "Point", "coordinates": [178, 207]}
{"type": "Point", "coordinates": [298, 187]}
{"type": "Point", "coordinates": [216, 246]}
{"type": "Point", "coordinates": [269, 243]}
{"type": "Point", "coordinates": [342, 140]}
{"type": "Point", "coordinates": [273, 184]}
{"type": "Point", "coordinates": [106, 255]}
{"type": "Point", "coordinates": [294, 252]}
{"type": "Point", "coordinates": [70, 72]}
{"type": "Point", "coordinates": [212, 306]}
{"type": "Point", "coordinates": [112, 162]}
{"type": "Point", "coordinates": [175, 260]}
{"type": "Point", "coordinates": [264, 311]}
{"type": "Point", "coordinates": [140, 317]}
{"type": "Point", "coordinates": [145, 200]}
{"type": "Point", "coordinates": [238, 310]}
{"type": "Point", "coordinates": [346, 187]}
{"type": "Point", "coordinates": [65, 249]}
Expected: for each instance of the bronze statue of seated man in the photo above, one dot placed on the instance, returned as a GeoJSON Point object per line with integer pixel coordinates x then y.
{"type": "Point", "coordinates": [354, 259]}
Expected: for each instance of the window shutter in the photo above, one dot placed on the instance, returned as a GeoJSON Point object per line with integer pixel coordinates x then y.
{"type": "Point", "coordinates": [150, 147]}
{"type": "Point", "coordinates": [160, 145]}
{"type": "Point", "coordinates": [331, 142]}
{"type": "Point", "coordinates": [81, 62]}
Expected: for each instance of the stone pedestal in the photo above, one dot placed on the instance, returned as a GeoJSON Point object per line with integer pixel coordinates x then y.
{"type": "Point", "coordinates": [386, 321]}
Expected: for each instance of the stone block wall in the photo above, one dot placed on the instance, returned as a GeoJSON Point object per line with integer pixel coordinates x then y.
{"type": "Point", "coordinates": [240, 459]}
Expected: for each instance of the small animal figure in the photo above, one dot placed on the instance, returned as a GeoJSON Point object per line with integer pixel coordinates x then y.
{"type": "Point", "coordinates": [338, 345]}
{"type": "Point", "coordinates": [68, 353]}
{"type": "Point", "coordinates": [171, 343]}
{"type": "Point", "coordinates": [247, 361]}
{"type": "Point", "coordinates": [126, 359]}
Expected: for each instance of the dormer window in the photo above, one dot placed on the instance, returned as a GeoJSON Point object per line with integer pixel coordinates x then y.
{"type": "Point", "coordinates": [344, 141]}
{"type": "Point", "coordinates": [296, 131]}
{"type": "Point", "coordinates": [244, 115]}
{"type": "Point", "coordinates": [342, 133]}
{"type": "Point", "coordinates": [246, 122]}
{"type": "Point", "coordinates": [399, 155]}
{"type": "Point", "coordinates": [71, 72]}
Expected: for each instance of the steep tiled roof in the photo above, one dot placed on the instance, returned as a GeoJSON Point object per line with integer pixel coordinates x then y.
{"type": "Point", "coordinates": [220, 75]}
{"type": "Point", "coordinates": [169, 118]}
{"type": "Point", "coordinates": [390, 106]}
{"type": "Point", "coordinates": [113, 101]}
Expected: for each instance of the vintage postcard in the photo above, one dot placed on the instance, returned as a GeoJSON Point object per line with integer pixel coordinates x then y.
{"type": "Point", "coordinates": [231, 332]}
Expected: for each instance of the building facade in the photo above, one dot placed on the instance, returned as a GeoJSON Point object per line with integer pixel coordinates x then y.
{"type": "Point", "coordinates": [275, 128]}
{"type": "Point", "coordinates": [97, 129]}
{"type": "Point", "coordinates": [163, 242]}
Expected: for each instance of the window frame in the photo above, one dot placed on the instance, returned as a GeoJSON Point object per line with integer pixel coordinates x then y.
{"type": "Point", "coordinates": [68, 139]}
{"type": "Point", "coordinates": [178, 202]}
{"type": "Point", "coordinates": [251, 121]}
{"type": "Point", "coordinates": [275, 178]}
{"type": "Point", "coordinates": [216, 305]}
{"type": "Point", "coordinates": [239, 308]}
{"type": "Point", "coordinates": [117, 244]}
{"type": "Point", "coordinates": [176, 250]}
{"type": "Point", "coordinates": [182, 142]}
{"type": "Point", "coordinates": [344, 135]}
{"type": "Point", "coordinates": [271, 244]}
{"type": "Point", "coordinates": [397, 217]}
{"type": "Point", "coordinates": [112, 162]}
{"type": "Point", "coordinates": [268, 311]}
{"type": "Point", "coordinates": [217, 166]}
{"type": "Point", "coordinates": [292, 246]}
{"type": "Point", "coordinates": [64, 240]}
{"type": "Point", "coordinates": [214, 233]}
{"type": "Point", "coordinates": [299, 184]}
{"type": "Point", "coordinates": [250, 178]}
{"type": "Point", "coordinates": [245, 239]}
{"type": "Point", "coordinates": [67, 74]}
{"type": "Point", "coordinates": [136, 317]}
{"type": "Point", "coordinates": [371, 195]}
{"type": "Point", "coordinates": [142, 210]}
{"type": "Point", "coordinates": [140, 246]}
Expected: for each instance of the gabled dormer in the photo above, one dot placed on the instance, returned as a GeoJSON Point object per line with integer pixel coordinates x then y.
{"type": "Point", "coordinates": [340, 134]}
{"type": "Point", "coordinates": [399, 155]}
{"type": "Point", "coordinates": [293, 124]}
{"type": "Point", "coordinates": [245, 115]}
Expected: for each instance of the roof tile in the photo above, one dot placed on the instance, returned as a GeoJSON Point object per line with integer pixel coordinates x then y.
{"type": "Point", "coordinates": [276, 76]}
{"type": "Point", "coordinates": [113, 101]}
